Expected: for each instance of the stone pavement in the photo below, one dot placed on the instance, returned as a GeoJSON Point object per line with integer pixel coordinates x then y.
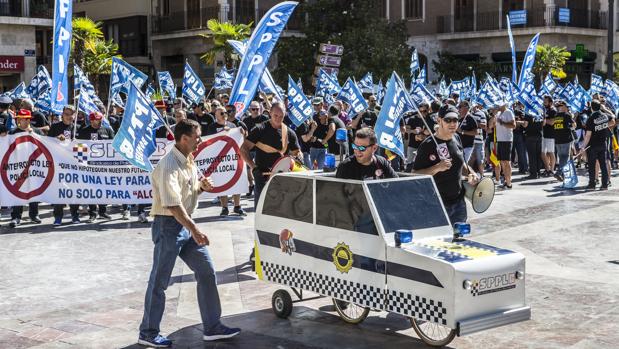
{"type": "Point", "coordinates": [82, 286]}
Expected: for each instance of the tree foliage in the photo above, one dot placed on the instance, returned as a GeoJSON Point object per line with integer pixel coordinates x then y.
{"type": "Point", "coordinates": [550, 59]}
{"type": "Point", "coordinates": [85, 33]}
{"type": "Point", "coordinates": [371, 43]}
{"type": "Point", "coordinates": [221, 33]}
{"type": "Point", "coordinates": [456, 68]}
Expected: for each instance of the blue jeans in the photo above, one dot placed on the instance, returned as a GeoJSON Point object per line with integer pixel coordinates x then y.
{"type": "Point", "coordinates": [318, 155]}
{"type": "Point", "coordinates": [563, 154]}
{"type": "Point", "coordinates": [307, 161]}
{"type": "Point", "coordinates": [456, 212]}
{"type": "Point", "coordinates": [171, 240]}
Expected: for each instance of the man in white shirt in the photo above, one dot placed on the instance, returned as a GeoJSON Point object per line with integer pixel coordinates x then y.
{"type": "Point", "coordinates": [505, 125]}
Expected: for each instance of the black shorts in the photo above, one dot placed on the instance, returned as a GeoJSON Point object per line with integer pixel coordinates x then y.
{"type": "Point", "coordinates": [504, 151]}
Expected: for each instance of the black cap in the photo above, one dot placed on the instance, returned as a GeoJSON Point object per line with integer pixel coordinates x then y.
{"type": "Point", "coordinates": [448, 111]}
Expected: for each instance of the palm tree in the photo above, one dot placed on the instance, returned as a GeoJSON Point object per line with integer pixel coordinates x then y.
{"type": "Point", "coordinates": [221, 32]}
{"type": "Point", "coordinates": [85, 32]}
{"type": "Point", "coordinates": [97, 59]}
{"type": "Point", "coordinates": [550, 59]}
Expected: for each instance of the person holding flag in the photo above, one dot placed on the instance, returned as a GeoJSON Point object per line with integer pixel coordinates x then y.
{"type": "Point", "coordinates": [595, 143]}
{"type": "Point", "coordinates": [23, 118]}
{"type": "Point", "coordinates": [96, 131]}
{"type": "Point", "coordinates": [442, 156]}
{"type": "Point", "coordinates": [65, 130]}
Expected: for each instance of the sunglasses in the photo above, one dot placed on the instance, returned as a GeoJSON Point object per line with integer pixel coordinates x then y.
{"type": "Point", "coordinates": [423, 111]}
{"type": "Point", "coordinates": [361, 147]}
{"type": "Point", "coordinates": [254, 109]}
{"type": "Point", "coordinates": [450, 121]}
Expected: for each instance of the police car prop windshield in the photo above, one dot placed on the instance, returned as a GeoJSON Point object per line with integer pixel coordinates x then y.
{"type": "Point", "coordinates": [383, 245]}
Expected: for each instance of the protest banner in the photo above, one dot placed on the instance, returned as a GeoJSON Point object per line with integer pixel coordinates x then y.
{"type": "Point", "coordinates": [44, 169]}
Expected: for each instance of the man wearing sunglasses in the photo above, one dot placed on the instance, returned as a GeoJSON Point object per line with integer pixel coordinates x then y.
{"type": "Point", "coordinates": [444, 160]}
{"type": "Point", "coordinates": [365, 164]}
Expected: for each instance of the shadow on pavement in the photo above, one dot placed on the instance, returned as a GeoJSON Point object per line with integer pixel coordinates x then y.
{"type": "Point", "coordinates": [306, 328]}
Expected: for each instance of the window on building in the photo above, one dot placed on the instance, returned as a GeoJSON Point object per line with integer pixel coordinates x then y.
{"type": "Point", "coordinates": [165, 7]}
{"type": "Point", "coordinates": [290, 197]}
{"type": "Point", "coordinates": [414, 9]}
{"type": "Point", "coordinates": [344, 206]}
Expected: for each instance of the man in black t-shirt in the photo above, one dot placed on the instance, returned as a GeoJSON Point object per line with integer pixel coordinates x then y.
{"type": "Point", "coordinates": [367, 119]}
{"type": "Point", "coordinates": [94, 132]}
{"type": "Point", "coordinates": [596, 136]}
{"type": "Point", "coordinates": [444, 160]}
{"type": "Point", "coordinates": [200, 115]}
{"type": "Point", "coordinates": [365, 164]}
{"type": "Point", "coordinates": [255, 116]}
{"type": "Point", "coordinates": [548, 142]}
{"type": "Point", "coordinates": [467, 129]}
{"type": "Point", "coordinates": [563, 126]}
{"type": "Point", "coordinates": [533, 139]}
{"type": "Point", "coordinates": [305, 133]}
{"type": "Point", "coordinates": [266, 138]}
{"type": "Point", "coordinates": [38, 121]}
{"type": "Point", "coordinates": [318, 144]}
{"type": "Point", "coordinates": [65, 130]}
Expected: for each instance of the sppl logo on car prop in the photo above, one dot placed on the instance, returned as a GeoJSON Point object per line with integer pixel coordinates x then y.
{"type": "Point", "coordinates": [493, 284]}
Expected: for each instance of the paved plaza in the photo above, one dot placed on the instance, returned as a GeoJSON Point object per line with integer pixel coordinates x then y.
{"type": "Point", "coordinates": [82, 286]}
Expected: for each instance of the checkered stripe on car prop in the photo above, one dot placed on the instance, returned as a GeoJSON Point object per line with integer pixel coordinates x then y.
{"type": "Point", "coordinates": [417, 307]}
{"type": "Point", "coordinates": [354, 292]}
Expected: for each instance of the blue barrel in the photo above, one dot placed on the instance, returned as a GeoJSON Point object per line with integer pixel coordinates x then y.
{"type": "Point", "coordinates": [330, 160]}
{"type": "Point", "coordinates": [341, 135]}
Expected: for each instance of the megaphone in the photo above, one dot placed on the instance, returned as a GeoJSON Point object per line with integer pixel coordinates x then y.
{"type": "Point", "coordinates": [480, 195]}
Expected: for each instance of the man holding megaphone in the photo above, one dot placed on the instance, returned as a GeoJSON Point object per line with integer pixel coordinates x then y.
{"type": "Point", "coordinates": [442, 156]}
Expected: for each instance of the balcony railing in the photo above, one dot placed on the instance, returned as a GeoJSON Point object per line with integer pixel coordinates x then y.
{"type": "Point", "coordinates": [188, 20]}
{"type": "Point", "coordinates": [537, 17]}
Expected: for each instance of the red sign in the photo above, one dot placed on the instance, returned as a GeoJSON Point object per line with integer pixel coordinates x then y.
{"type": "Point", "coordinates": [11, 63]}
{"type": "Point", "coordinates": [16, 188]}
{"type": "Point", "coordinates": [229, 144]}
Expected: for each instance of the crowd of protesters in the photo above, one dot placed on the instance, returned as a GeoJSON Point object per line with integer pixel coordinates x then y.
{"type": "Point", "coordinates": [495, 142]}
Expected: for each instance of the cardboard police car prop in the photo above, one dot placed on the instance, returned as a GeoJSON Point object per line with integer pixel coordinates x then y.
{"type": "Point", "coordinates": [337, 238]}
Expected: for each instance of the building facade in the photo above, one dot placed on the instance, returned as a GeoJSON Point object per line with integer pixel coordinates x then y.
{"type": "Point", "coordinates": [473, 29]}
{"type": "Point", "coordinates": [25, 36]}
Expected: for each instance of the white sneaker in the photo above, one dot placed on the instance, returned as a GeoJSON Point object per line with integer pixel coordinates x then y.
{"type": "Point", "coordinates": [125, 215]}
{"type": "Point", "coordinates": [142, 218]}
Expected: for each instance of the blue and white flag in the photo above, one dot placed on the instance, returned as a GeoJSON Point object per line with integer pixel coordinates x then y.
{"type": "Point", "coordinates": [579, 99]}
{"type": "Point", "coordinates": [19, 92]}
{"type": "Point", "coordinates": [300, 83]}
{"type": "Point", "coordinates": [461, 87]}
{"type": "Point", "coordinates": [122, 73]}
{"type": "Point", "coordinates": [422, 78]}
{"type": "Point", "coordinates": [611, 92]}
{"type": "Point", "coordinates": [259, 49]}
{"type": "Point", "coordinates": [526, 73]}
{"type": "Point", "coordinates": [351, 94]}
{"type": "Point", "coordinates": [513, 47]}
{"type": "Point", "coordinates": [443, 90]}
{"type": "Point", "coordinates": [44, 102]}
{"type": "Point", "coordinates": [135, 138]}
{"type": "Point", "coordinates": [299, 106]}
{"type": "Point", "coordinates": [549, 84]}
{"type": "Point", "coordinates": [326, 84]}
{"type": "Point", "coordinates": [266, 84]}
{"type": "Point", "coordinates": [570, 177]}
{"type": "Point", "coordinates": [166, 84]}
{"type": "Point", "coordinates": [63, 30]}
{"type": "Point", "coordinates": [150, 91]}
{"type": "Point", "coordinates": [40, 83]}
{"type": "Point", "coordinates": [489, 96]}
{"type": "Point", "coordinates": [193, 88]}
{"type": "Point", "coordinates": [414, 62]}
{"type": "Point", "coordinates": [82, 81]}
{"type": "Point", "coordinates": [366, 82]}
{"type": "Point", "coordinates": [118, 101]}
{"type": "Point", "coordinates": [221, 83]}
{"type": "Point", "coordinates": [78, 77]}
{"type": "Point", "coordinates": [396, 103]}
{"type": "Point", "coordinates": [597, 84]}
{"type": "Point", "coordinates": [419, 94]}
{"type": "Point", "coordinates": [86, 104]}
{"type": "Point", "coordinates": [533, 104]}
{"type": "Point", "coordinates": [380, 92]}
{"type": "Point", "coordinates": [473, 88]}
